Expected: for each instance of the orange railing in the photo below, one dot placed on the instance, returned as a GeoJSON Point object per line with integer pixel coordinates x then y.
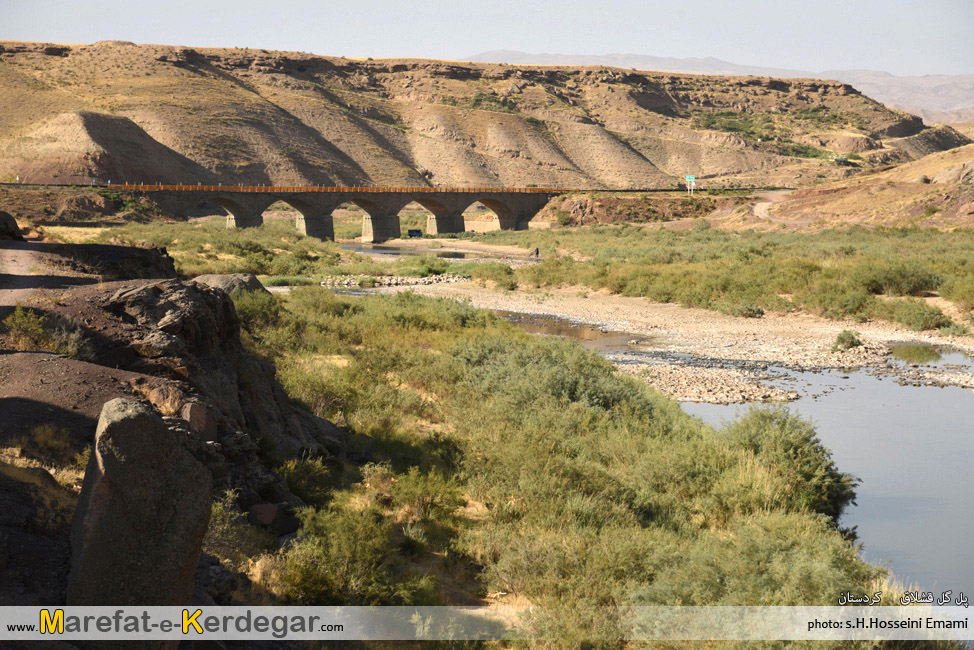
{"type": "Point", "coordinates": [277, 189]}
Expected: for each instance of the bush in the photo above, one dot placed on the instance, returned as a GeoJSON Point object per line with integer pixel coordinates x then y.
{"type": "Point", "coordinates": [845, 340]}
{"type": "Point", "coordinates": [954, 329]}
{"type": "Point", "coordinates": [914, 313]}
{"type": "Point", "coordinates": [909, 278]}
{"type": "Point", "coordinates": [427, 495]}
{"type": "Point", "coordinates": [499, 273]}
{"type": "Point", "coordinates": [230, 537]}
{"type": "Point", "coordinates": [257, 309]}
{"type": "Point", "coordinates": [31, 331]}
{"type": "Point", "coordinates": [27, 329]}
{"type": "Point", "coordinates": [310, 479]}
{"type": "Point", "coordinates": [789, 444]}
{"type": "Point", "coordinates": [741, 310]}
{"type": "Point", "coordinates": [344, 557]}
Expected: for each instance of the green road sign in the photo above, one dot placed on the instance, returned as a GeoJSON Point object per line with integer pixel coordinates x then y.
{"type": "Point", "coordinates": [690, 179]}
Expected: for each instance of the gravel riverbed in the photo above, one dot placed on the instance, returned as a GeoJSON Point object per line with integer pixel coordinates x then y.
{"type": "Point", "coordinates": [704, 356]}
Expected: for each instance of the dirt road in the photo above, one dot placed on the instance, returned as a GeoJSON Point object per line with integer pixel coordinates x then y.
{"type": "Point", "coordinates": [25, 267]}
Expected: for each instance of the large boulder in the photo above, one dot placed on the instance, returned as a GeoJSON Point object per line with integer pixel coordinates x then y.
{"type": "Point", "coordinates": [232, 282]}
{"type": "Point", "coordinates": [144, 509]}
{"type": "Point", "coordinates": [191, 331]}
{"type": "Point", "coordinates": [9, 228]}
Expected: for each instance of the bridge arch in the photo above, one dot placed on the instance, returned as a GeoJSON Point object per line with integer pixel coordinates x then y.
{"type": "Point", "coordinates": [243, 211]}
{"type": "Point", "coordinates": [500, 216]}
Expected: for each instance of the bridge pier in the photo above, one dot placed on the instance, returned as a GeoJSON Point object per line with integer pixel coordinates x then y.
{"type": "Point", "coordinates": [244, 220]}
{"type": "Point", "coordinates": [243, 211]}
{"type": "Point", "coordinates": [381, 220]}
{"type": "Point", "coordinates": [321, 226]}
{"type": "Point", "coordinates": [380, 228]}
{"type": "Point", "coordinates": [441, 224]}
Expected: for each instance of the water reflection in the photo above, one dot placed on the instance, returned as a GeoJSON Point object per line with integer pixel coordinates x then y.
{"type": "Point", "coordinates": [379, 249]}
{"type": "Point", "coordinates": [912, 353]}
{"type": "Point", "coordinates": [590, 337]}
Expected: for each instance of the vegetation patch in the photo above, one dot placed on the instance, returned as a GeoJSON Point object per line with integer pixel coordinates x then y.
{"type": "Point", "coordinates": [28, 331]}
{"type": "Point", "coordinates": [506, 463]}
{"type": "Point", "coordinates": [846, 340]}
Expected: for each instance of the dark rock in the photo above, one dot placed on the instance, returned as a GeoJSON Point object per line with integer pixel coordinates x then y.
{"type": "Point", "coordinates": [216, 582]}
{"type": "Point", "coordinates": [201, 420]}
{"type": "Point", "coordinates": [113, 262]}
{"type": "Point", "coordinates": [198, 326]}
{"type": "Point", "coordinates": [276, 516]}
{"type": "Point", "coordinates": [142, 514]}
{"type": "Point", "coordinates": [248, 498]}
{"type": "Point", "coordinates": [8, 227]}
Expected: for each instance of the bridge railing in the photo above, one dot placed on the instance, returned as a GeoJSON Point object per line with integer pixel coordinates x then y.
{"type": "Point", "coordinates": [278, 189]}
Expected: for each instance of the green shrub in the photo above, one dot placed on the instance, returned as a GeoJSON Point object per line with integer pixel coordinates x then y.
{"type": "Point", "coordinates": [257, 309]}
{"type": "Point", "coordinates": [742, 310]}
{"type": "Point", "coordinates": [845, 340]}
{"type": "Point", "coordinates": [954, 329]}
{"type": "Point", "coordinates": [499, 273]}
{"type": "Point", "coordinates": [913, 313]}
{"type": "Point", "coordinates": [31, 331]}
{"type": "Point", "coordinates": [309, 478]}
{"type": "Point", "coordinates": [344, 557]}
{"type": "Point", "coordinates": [27, 329]}
{"type": "Point", "coordinates": [427, 495]}
{"type": "Point", "coordinates": [230, 537]}
{"type": "Point", "coordinates": [907, 278]}
{"type": "Point", "coordinates": [791, 446]}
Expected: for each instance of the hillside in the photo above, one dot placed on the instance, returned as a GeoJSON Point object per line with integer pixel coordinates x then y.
{"type": "Point", "coordinates": [934, 191]}
{"type": "Point", "coordinates": [937, 98]}
{"type": "Point", "coordinates": [114, 110]}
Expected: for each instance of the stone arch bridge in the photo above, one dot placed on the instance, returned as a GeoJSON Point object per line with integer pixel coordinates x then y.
{"type": "Point", "coordinates": [245, 205]}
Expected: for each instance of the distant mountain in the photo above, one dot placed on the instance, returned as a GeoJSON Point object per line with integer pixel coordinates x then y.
{"type": "Point", "coordinates": [935, 98]}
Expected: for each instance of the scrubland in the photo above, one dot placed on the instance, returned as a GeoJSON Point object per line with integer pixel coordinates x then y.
{"type": "Point", "coordinates": [922, 279]}
{"type": "Point", "coordinates": [489, 465]}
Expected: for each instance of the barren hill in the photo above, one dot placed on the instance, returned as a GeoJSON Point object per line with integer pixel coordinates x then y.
{"type": "Point", "coordinates": [937, 98]}
{"type": "Point", "coordinates": [160, 113]}
{"type": "Point", "coordinates": [934, 191]}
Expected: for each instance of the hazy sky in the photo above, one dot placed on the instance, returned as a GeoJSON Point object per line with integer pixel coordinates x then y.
{"type": "Point", "coordinates": [898, 36]}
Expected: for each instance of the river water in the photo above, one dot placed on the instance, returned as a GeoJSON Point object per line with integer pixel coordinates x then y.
{"type": "Point", "coordinates": [912, 447]}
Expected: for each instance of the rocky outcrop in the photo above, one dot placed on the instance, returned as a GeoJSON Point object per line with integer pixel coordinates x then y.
{"type": "Point", "coordinates": [144, 509]}
{"type": "Point", "coordinates": [190, 332]}
{"type": "Point", "coordinates": [231, 282]}
{"type": "Point", "coordinates": [9, 228]}
{"type": "Point", "coordinates": [111, 262]}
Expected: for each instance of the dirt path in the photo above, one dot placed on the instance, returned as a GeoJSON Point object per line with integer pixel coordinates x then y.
{"type": "Point", "coordinates": [762, 209]}
{"type": "Point", "coordinates": [25, 267]}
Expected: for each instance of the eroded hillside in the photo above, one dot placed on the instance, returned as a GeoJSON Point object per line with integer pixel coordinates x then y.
{"type": "Point", "coordinates": [160, 113]}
